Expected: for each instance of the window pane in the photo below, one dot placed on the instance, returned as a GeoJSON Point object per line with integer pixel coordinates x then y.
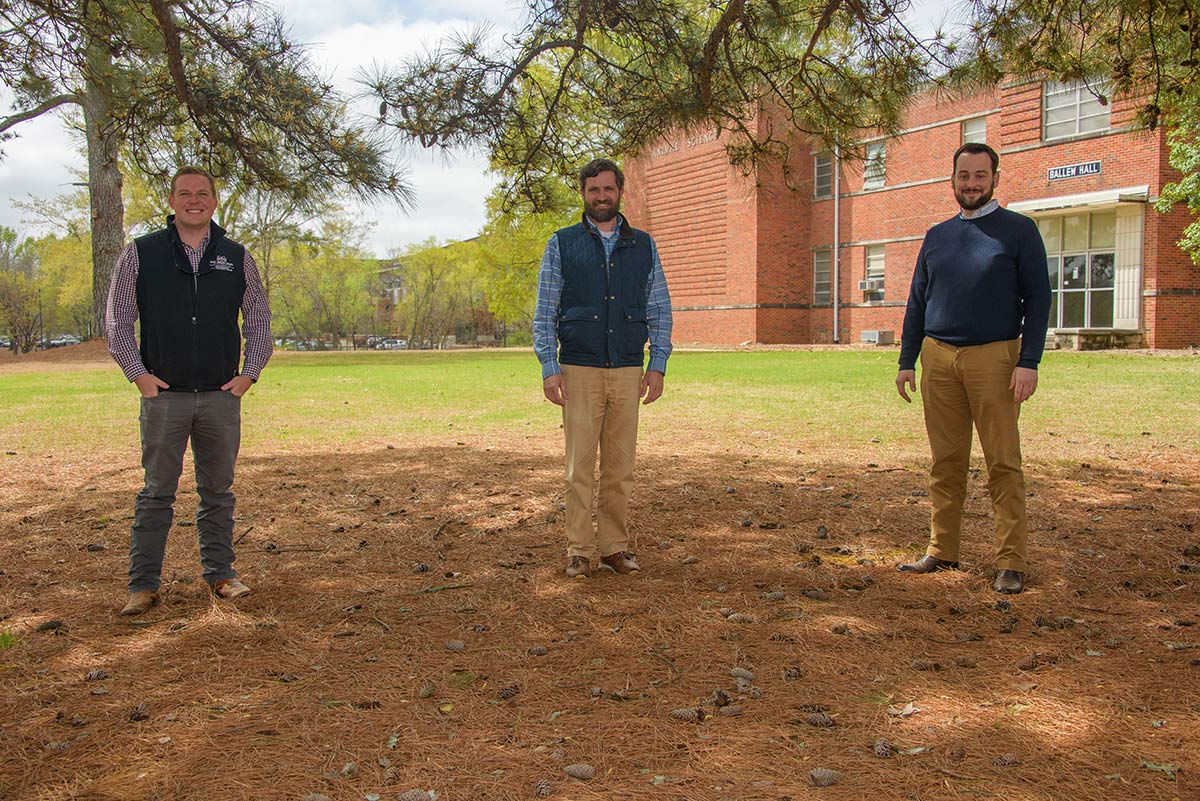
{"type": "Point", "coordinates": [1054, 309]}
{"type": "Point", "coordinates": [1064, 114]}
{"type": "Point", "coordinates": [821, 284]}
{"type": "Point", "coordinates": [1075, 232]}
{"type": "Point", "coordinates": [1104, 231]}
{"type": "Point", "coordinates": [1052, 266]}
{"type": "Point", "coordinates": [1073, 304]}
{"type": "Point", "coordinates": [875, 263]}
{"type": "Point", "coordinates": [1102, 270]}
{"type": "Point", "coordinates": [1051, 228]}
{"type": "Point", "coordinates": [875, 167]}
{"type": "Point", "coordinates": [823, 175]}
{"type": "Point", "coordinates": [1060, 129]}
{"type": "Point", "coordinates": [1089, 124]}
{"type": "Point", "coordinates": [1074, 272]}
{"type": "Point", "coordinates": [1102, 308]}
{"type": "Point", "coordinates": [974, 130]}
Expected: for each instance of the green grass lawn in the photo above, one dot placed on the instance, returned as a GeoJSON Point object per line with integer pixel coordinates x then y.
{"type": "Point", "coordinates": [1086, 403]}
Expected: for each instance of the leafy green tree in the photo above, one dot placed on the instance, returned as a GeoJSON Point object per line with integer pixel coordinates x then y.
{"type": "Point", "coordinates": [20, 315]}
{"type": "Point", "coordinates": [509, 249]}
{"type": "Point", "coordinates": [325, 284]}
{"type": "Point", "coordinates": [218, 79]}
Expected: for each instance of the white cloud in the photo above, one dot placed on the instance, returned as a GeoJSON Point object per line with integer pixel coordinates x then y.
{"type": "Point", "coordinates": [343, 37]}
{"type": "Point", "coordinates": [43, 161]}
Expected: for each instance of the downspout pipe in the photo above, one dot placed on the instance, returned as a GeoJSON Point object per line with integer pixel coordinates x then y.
{"type": "Point", "coordinates": [837, 238]}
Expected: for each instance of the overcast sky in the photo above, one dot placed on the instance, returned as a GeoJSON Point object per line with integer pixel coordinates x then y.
{"type": "Point", "coordinates": [342, 37]}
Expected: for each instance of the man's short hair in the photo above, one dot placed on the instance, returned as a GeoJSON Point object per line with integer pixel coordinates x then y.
{"type": "Point", "coordinates": [597, 166]}
{"type": "Point", "coordinates": [976, 148]}
{"type": "Point", "coordinates": [189, 169]}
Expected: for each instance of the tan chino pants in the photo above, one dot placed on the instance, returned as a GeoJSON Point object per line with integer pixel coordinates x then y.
{"type": "Point", "coordinates": [961, 386]}
{"type": "Point", "coordinates": [601, 411]}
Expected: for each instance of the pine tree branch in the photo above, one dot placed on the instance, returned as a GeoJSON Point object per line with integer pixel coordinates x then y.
{"type": "Point", "coordinates": [48, 104]}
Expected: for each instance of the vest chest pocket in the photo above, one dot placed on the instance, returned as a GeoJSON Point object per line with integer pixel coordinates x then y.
{"type": "Point", "coordinates": [635, 330]}
{"type": "Point", "coordinates": [579, 330]}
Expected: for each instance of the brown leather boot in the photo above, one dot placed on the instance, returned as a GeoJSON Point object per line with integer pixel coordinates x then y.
{"type": "Point", "coordinates": [927, 564]}
{"type": "Point", "coordinates": [620, 562]}
{"type": "Point", "coordinates": [141, 601]}
{"type": "Point", "coordinates": [1009, 582]}
{"type": "Point", "coordinates": [229, 589]}
{"type": "Point", "coordinates": [579, 567]}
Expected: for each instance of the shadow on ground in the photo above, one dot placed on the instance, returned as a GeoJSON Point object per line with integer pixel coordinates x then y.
{"type": "Point", "coordinates": [337, 676]}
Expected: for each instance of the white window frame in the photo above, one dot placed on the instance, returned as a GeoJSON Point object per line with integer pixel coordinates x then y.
{"type": "Point", "coordinates": [1082, 104]}
{"type": "Point", "coordinates": [974, 130]}
{"type": "Point", "coordinates": [874, 269]}
{"type": "Point", "coordinates": [875, 165]}
{"type": "Point", "coordinates": [823, 175]}
{"type": "Point", "coordinates": [822, 287]}
{"type": "Point", "coordinates": [1058, 292]}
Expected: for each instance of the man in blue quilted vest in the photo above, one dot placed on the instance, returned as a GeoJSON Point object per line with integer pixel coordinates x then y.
{"type": "Point", "coordinates": [601, 296]}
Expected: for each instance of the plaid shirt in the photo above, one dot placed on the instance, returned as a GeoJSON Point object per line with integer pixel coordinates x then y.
{"type": "Point", "coordinates": [122, 313]}
{"type": "Point", "coordinates": [549, 302]}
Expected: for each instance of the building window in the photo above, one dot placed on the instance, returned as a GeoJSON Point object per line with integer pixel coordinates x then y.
{"type": "Point", "coordinates": [1081, 257]}
{"type": "Point", "coordinates": [974, 130]}
{"type": "Point", "coordinates": [875, 166]}
{"type": "Point", "coordinates": [1069, 109]}
{"type": "Point", "coordinates": [822, 285]}
{"type": "Point", "coordinates": [823, 175]}
{"type": "Point", "coordinates": [872, 285]}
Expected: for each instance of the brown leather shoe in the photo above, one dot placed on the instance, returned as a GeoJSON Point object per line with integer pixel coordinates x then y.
{"type": "Point", "coordinates": [927, 564]}
{"type": "Point", "coordinates": [620, 562]}
{"type": "Point", "coordinates": [229, 589]}
{"type": "Point", "coordinates": [579, 567]}
{"type": "Point", "coordinates": [141, 601]}
{"type": "Point", "coordinates": [1009, 582]}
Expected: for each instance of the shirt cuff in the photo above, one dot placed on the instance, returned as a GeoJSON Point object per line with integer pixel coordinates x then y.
{"type": "Point", "coordinates": [657, 364]}
{"type": "Point", "coordinates": [1028, 364]}
{"type": "Point", "coordinates": [251, 372]}
{"type": "Point", "coordinates": [549, 368]}
{"type": "Point", "coordinates": [135, 372]}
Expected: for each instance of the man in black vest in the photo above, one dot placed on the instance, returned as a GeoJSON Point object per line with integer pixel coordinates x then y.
{"type": "Point", "coordinates": [601, 296]}
{"type": "Point", "coordinates": [186, 285]}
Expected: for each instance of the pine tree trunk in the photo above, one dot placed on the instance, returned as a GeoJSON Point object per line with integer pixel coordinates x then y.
{"type": "Point", "coordinates": [104, 191]}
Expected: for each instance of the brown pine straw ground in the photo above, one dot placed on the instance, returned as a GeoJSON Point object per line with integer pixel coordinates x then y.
{"type": "Point", "coordinates": [334, 677]}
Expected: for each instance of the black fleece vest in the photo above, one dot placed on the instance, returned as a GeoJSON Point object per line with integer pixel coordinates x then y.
{"type": "Point", "coordinates": [602, 316]}
{"type": "Point", "coordinates": [189, 321]}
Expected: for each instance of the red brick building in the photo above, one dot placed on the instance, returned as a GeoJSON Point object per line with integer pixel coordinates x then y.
{"type": "Point", "coordinates": [772, 258]}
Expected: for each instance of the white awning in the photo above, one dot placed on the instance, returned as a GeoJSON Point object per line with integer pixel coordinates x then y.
{"type": "Point", "coordinates": [1107, 197]}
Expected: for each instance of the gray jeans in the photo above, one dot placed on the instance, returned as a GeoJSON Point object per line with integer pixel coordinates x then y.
{"type": "Point", "coordinates": [213, 422]}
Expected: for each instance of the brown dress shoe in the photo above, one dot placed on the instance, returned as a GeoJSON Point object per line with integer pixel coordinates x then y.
{"type": "Point", "coordinates": [927, 564]}
{"type": "Point", "coordinates": [579, 567]}
{"type": "Point", "coordinates": [1009, 582]}
{"type": "Point", "coordinates": [140, 601]}
{"type": "Point", "coordinates": [620, 562]}
{"type": "Point", "coordinates": [229, 589]}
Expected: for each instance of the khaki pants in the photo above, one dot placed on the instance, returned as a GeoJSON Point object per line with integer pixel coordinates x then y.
{"type": "Point", "coordinates": [961, 386]}
{"type": "Point", "coordinates": [601, 411]}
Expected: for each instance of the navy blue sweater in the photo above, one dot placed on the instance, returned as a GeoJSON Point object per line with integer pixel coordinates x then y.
{"type": "Point", "coordinates": [977, 281]}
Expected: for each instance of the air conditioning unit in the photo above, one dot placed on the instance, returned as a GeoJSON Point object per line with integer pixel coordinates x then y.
{"type": "Point", "coordinates": [878, 337]}
{"type": "Point", "coordinates": [871, 285]}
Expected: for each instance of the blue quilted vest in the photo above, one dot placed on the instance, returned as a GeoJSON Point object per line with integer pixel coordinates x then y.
{"type": "Point", "coordinates": [602, 317]}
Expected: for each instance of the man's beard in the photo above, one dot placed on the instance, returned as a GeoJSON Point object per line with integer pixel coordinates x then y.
{"type": "Point", "coordinates": [978, 203]}
{"type": "Point", "coordinates": [602, 214]}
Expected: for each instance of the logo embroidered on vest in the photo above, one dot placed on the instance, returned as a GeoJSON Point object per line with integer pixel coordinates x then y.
{"type": "Point", "coordinates": [222, 263]}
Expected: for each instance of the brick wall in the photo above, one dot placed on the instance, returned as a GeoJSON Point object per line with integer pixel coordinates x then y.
{"type": "Point", "coordinates": [738, 249]}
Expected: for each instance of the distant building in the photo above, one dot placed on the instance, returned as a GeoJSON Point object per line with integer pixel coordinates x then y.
{"type": "Point", "coordinates": [764, 258]}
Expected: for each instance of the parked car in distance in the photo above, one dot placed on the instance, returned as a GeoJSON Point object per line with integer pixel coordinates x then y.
{"type": "Point", "coordinates": [391, 344]}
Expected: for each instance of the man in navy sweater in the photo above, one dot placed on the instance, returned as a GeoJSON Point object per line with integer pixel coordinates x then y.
{"type": "Point", "coordinates": [977, 315]}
